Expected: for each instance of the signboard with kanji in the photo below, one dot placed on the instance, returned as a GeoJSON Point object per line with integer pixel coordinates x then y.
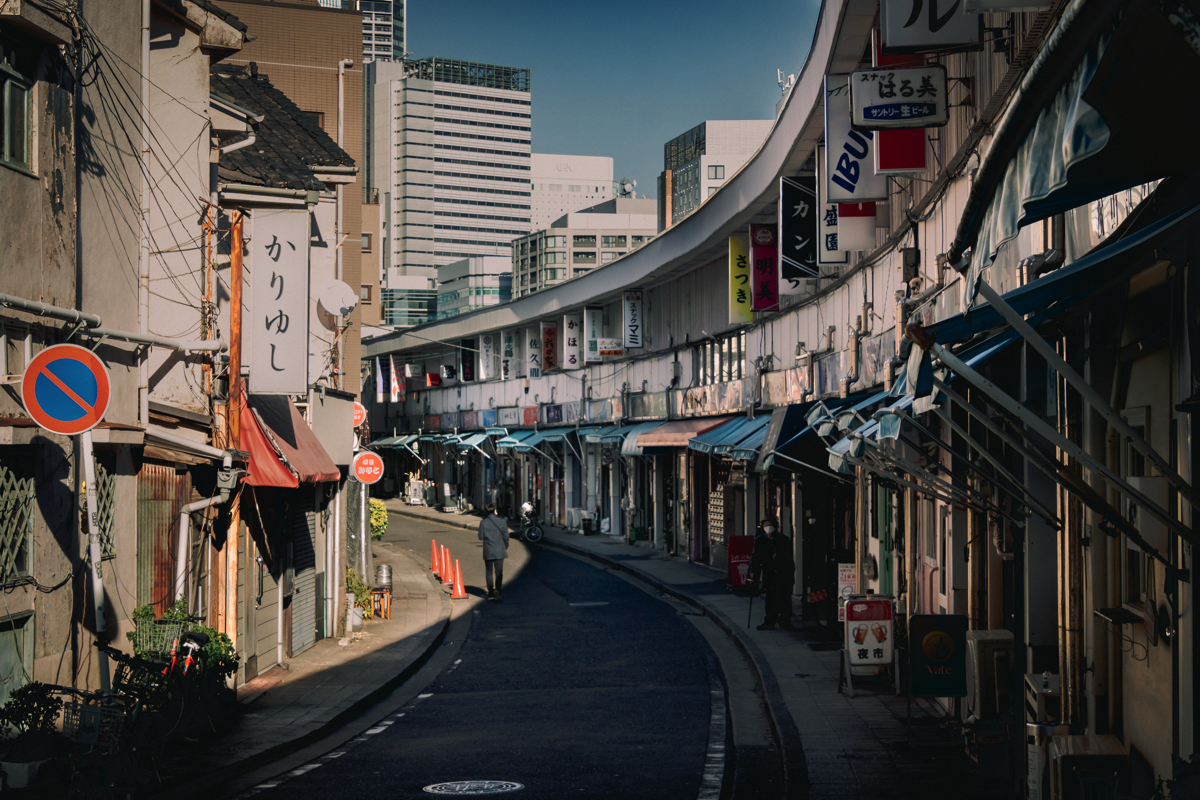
{"type": "Point", "coordinates": [367, 467]}
{"type": "Point", "coordinates": [593, 329]}
{"type": "Point", "coordinates": [829, 250]}
{"type": "Point", "coordinates": [65, 389]}
{"type": "Point", "coordinates": [277, 325]}
{"type": "Point", "coordinates": [899, 98]}
{"type": "Point", "coordinates": [849, 168]}
{"type": "Point", "coordinates": [633, 319]}
{"type": "Point", "coordinates": [764, 268]}
{"type": "Point", "coordinates": [914, 26]}
{"type": "Point", "coordinates": [549, 346]}
{"type": "Point", "coordinates": [487, 356]}
{"type": "Point", "coordinates": [937, 655]}
{"type": "Point", "coordinates": [360, 413]}
{"type": "Point", "coordinates": [572, 341]}
{"type": "Point", "coordinates": [869, 631]}
{"type": "Point", "coordinates": [798, 214]}
{"type": "Point", "coordinates": [740, 310]}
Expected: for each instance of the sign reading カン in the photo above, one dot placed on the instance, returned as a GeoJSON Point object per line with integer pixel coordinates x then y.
{"type": "Point", "coordinates": [797, 232]}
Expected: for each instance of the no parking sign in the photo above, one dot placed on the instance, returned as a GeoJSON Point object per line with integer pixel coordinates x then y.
{"type": "Point", "coordinates": [65, 389]}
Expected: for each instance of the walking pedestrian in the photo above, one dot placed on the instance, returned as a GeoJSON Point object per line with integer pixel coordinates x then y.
{"type": "Point", "coordinates": [493, 532]}
{"type": "Point", "coordinates": [772, 564]}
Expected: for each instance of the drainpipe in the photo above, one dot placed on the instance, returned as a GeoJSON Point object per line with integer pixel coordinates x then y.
{"type": "Point", "coordinates": [144, 244]}
{"type": "Point", "coordinates": [852, 376]}
{"type": "Point", "coordinates": [339, 225]}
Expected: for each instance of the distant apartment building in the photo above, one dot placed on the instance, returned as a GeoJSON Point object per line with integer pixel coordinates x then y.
{"type": "Point", "coordinates": [697, 162]}
{"type": "Point", "coordinates": [382, 26]}
{"type": "Point", "coordinates": [473, 283]}
{"type": "Point", "coordinates": [410, 300]}
{"type": "Point", "coordinates": [579, 242]}
{"type": "Point", "coordinates": [562, 184]}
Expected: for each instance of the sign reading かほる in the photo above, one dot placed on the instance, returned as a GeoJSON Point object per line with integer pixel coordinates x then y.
{"type": "Point", "coordinates": [278, 327]}
{"type": "Point", "coordinates": [367, 467]}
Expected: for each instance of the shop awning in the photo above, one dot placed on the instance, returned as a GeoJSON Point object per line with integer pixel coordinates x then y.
{"type": "Point", "coordinates": [497, 431]}
{"type": "Point", "coordinates": [404, 441]}
{"type": "Point", "coordinates": [471, 440]}
{"type": "Point", "coordinates": [678, 433]}
{"type": "Point", "coordinates": [629, 437]}
{"type": "Point", "coordinates": [387, 441]}
{"type": "Point", "coordinates": [728, 432]}
{"type": "Point", "coordinates": [530, 442]}
{"type": "Point", "coordinates": [783, 424]}
{"type": "Point", "coordinates": [512, 439]}
{"type": "Point", "coordinates": [596, 433]}
{"type": "Point", "coordinates": [556, 434]}
{"type": "Point", "coordinates": [283, 449]}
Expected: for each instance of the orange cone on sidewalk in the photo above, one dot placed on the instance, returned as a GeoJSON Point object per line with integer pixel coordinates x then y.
{"type": "Point", "coordinates": [444, 575]}
{"type": "Point", "coordinates": [460, 591]}
{"type": "Point", "coordinates": [435, 561]}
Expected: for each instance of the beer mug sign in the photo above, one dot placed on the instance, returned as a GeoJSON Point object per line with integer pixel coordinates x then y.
{"type": "Point", "coordinates": [869, 630]}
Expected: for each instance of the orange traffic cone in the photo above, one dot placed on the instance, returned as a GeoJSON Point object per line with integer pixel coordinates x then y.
{"type": "Point", "coordinates": [444, 575]}
{"type": "Point", "coordinates": [433, 564]}
{"type": "Point", "coordinates": [460, 591]}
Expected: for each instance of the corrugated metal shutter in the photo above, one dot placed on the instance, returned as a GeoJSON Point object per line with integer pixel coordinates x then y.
{"type": "Point", "coordinates": [161, 493]}
{"type": "Point", "coordinates": [304, 567]}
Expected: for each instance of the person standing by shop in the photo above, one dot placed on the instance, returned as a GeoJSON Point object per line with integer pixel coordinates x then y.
{"type": "Point", "coordinates": [493, 532]}
{"type": "Point", "coordinates": [772, 564]}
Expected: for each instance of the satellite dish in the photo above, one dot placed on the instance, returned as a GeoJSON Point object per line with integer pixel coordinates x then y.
{"type": "Point", "coordinates": [338, 299]}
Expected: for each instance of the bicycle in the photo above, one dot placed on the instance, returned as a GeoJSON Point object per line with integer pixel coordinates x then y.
{"type": "Point", "coordinates": [529, 529]}
{"type": "Point", "coordinates": [183, 670]}
{"type": "Point", "coordinates": [96, 722]}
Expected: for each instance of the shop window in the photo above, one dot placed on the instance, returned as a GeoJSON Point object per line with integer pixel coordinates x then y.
{"type": "Point", "coordinates": [16, 91]}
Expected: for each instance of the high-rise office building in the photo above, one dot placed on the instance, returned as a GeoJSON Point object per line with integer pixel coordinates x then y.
{"type": "Point", "coordinates": [382, 26]}
{"type": "Point", "coordinates": [451, 154]}
{"type": "Point", "coordinates": [697, 162]}
{"type": "Point", "coordinates": [562, 184]}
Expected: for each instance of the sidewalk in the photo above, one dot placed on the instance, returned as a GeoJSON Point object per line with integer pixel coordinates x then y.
{"type": "Point", "coordinates": [285, 709]}
{"type": "Point", "coordinates": [833, 747]}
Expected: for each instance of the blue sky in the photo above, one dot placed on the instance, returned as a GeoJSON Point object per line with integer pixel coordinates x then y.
{"type": "Point", "coordinates": [621, 78]}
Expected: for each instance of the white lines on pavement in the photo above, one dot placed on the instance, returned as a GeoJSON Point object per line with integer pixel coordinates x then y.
{"type": "Point", "coordinates": [335, 754]}
{"type": "Point", "coordinates": [591, 604]}
{"type": "Point", "coordinates": [423, 696]}
{"type": "Point", "coordinates": [714, 760]}
{"type": "Point", "coordinates": [374, 731]}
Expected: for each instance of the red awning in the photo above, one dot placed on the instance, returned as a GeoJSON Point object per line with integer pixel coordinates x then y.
{"type": "Point", "coordinates": [283, 449]}
{"type": "Point", "coordinates": [679, 432]}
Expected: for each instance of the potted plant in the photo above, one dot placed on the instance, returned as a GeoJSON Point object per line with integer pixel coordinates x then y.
{"type": "Point", "coordinates": [30, 739]}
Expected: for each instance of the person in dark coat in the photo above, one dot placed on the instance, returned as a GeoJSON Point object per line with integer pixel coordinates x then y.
{"type": "Point", "coordinates": [493, 532]}
{"type": "Point", "coordinates": [772, 564]}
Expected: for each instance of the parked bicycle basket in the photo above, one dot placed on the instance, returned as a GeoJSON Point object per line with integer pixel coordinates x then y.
{"type": "Point", "coordinates": [139, 681]}
{"type": "Point", "coordinates": [99, 725]}
{"type": "Point", "coordinates": [158, 636]}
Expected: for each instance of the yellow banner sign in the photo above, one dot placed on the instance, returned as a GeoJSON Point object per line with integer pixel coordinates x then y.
{"type": "Point", "coordinates": [739, 281]}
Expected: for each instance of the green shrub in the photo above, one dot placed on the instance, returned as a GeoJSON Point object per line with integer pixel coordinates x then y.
{"type": "Point", "coordinates": [379, 519]}
{"type": "Point", "coordinates": [361, 591]}
{"type": "Point", "coordinates": [220, 658]}
{"type": "Point", "coordinates": [32, 709]}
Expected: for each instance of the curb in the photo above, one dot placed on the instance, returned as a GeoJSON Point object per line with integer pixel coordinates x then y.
{"type": "Point", "coordinates": [783, 727]}
{"type": "Point", "coordinates": [194, 787]}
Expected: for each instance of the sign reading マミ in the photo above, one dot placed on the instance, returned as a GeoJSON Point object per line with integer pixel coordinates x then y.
{"type": "Point", "coordinates": [633, 319]}
{"type": "Point", "coordinates": [279, 303]}
{"type": "Point", "coordinates": [899, 98]}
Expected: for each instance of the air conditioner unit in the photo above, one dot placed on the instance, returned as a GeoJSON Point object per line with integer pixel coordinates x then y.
{"type": "Point", "coordinates": [1043, 698]}
{"type": "Point", "coordinates": [1088, 768]}
{"type": "Point", "coordinates": [989, 665]}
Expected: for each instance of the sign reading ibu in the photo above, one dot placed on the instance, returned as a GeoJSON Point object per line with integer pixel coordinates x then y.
{"type": "Point", "coordinates": [65, 389]}
{"type": "Point", "coordinates": [849, 168]}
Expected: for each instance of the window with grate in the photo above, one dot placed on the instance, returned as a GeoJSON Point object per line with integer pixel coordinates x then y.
{"type": "Point", "coordinates": [17, 503]}
{"type": "Point", "coordinates": [106, 495]}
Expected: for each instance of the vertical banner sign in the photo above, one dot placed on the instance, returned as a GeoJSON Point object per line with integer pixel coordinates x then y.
{"type": "Point", "coordinates": [379, 391]}
{"type": "Point", "coordinates": [633, 319]}
{"type": "Point", "coordinates": [395, 390]}
{"type": "Point", "coordinates": [593, 330]}
{"type": "Point", "coordinates": [278, 319]}
{"type": "Point", "coordinates": [487, 356]}
{"type": "Point", "coordinates": [508, 356]}
{"type": "Point", "coordinates": [764, 268]}
{"type": "Point", "coordinates": [797, 232]}
{"type": "Point", "coordinates": [829, 252]}
{"type": "Point", "coordinates": [856, 226]}
{"type": "Point", "coordinates": [466, 359]}
{"type": "Point", "coordinates": [739, 282]}
{"type": "Point", "coordinates": [533, 352]}
{"type": "Point", "coordinates": [572, 356]}
{"type": "Point", "coordinates": [914, 26]}
{"type": "Point", "coordinates": [849, 168]}
{"type": "Point", "coordinates": [549, 346]}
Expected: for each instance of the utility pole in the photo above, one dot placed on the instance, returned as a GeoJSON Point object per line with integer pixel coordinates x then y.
{"type": "Point", "coordinates": [233, 539]}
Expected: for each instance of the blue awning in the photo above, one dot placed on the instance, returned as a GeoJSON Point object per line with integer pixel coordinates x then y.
{"type": "Point", "coordinates": [596, 433]}
{"type": "Point", "coordinates": [497, 431]}
{"type": "Point", "coordinates": [473, 440]}
{"type": "Point", "coordinates": [556, 434]}
{"type": "Point", "coordinates": [629, 445]}
{"type": "Point", "coordinates": [404, 441]}
{"type": "Point", "coordinates": [512, 439]}
{"type": "Point", "coordinates": [729, 432]}
{"type": "Point", "coordinates": [529, 442]}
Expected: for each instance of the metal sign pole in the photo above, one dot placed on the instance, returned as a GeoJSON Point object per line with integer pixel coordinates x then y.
{"type": "Point", "coordinates": [94, 554]}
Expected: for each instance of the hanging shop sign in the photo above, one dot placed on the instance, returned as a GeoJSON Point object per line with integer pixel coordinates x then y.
{"type": "Point", "coordinates": [487, 356]}
{"type": "Point", "coordinates": [856, 226]}
{"type": "Point", "coordinates": [529, 415]}
{"type": "Point", "coordinates": [533, 352]}
{"type": "Point", "coordinates": [593, 329]}
{"type": "Point", "coordinates": [829, 253]}
{"type": "Point", "coordinates": [279, 299]}
{"type": "Point", "coordinates": [554, 414]}
{"type": "Point", "coordinates": [916, 26]}
{"type": "Point", "coordinates": [899, 98]}
{"type": "Point", "coordinates": [741, 310]}
{"type": "Point", "coordinates": [572, 341]}
{"type": "Point", "coordinates": [937, 655]}
{"type": "Point", "coordinates": [367, 467]}
{"type": "Point", "coordinates": [899, 152]}
{"type": "Point", "coordinates": [432, 380]}
{"type": "Point", "coordinates": [487, 418]}
{"type": "Point", "coordinates": [764, 268]}
{"type": "Point", "coordinates": [360, 413]}
{"type": "Point", "coordinates": [549, 346]}
{"type": "Point", "coordinates": [508, 355]}
{"type": "Point", "coordinates": [508, 417]}
{"type": "Point", "coordinates": [610, 347]}
{"type": "Point", "coordinates": [633, 319]}
{"type": "Point", "coordinates": [449, 374]}
{"type": "Point", "coordinates": [466, 360]}
{"type": "Point", "coordinates": [396, 383]}
{"type": "Point", "coordinates": [414, 370]}
{"type": "Point", "coordinates": [849, 168]}
{"type": "Point", "coordinates": [868, 632]}
{"type": "Point", "coordinates": [798, 214]}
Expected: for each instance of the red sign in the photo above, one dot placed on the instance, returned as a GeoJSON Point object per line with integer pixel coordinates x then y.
{"type": "Point", "coordinates": [869, 630]}
{"type": "Point", "coordinates": [529, 415]}
{"type": "Point", "coordinates": [764, 268]}
{"type": "Point", "coordinates": [367, 467]}
{"type": "Point", "coordinates": [360, 413]}
{"type": "Point", "coordinates": [65, 389]}
{"type": "Point", "coordinates": [740, 548]}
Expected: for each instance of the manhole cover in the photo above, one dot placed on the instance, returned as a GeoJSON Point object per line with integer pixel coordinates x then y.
{"type": "Point", "coordinates": [473, 787]}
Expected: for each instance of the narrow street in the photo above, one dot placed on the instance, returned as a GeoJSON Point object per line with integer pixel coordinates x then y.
{"type": "Point", "coordinates": [577, 685]}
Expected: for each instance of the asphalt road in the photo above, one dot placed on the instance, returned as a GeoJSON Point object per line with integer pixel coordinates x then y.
{"type": "Point", "coordinates": [578, 685]}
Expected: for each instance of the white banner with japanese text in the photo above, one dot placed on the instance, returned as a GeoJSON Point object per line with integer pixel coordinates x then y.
{"type": "Point", "coordinates": [279, 303]}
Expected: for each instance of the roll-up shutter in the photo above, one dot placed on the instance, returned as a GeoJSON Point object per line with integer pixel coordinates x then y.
{"type": "Point", "coordinates": [304, 568]}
